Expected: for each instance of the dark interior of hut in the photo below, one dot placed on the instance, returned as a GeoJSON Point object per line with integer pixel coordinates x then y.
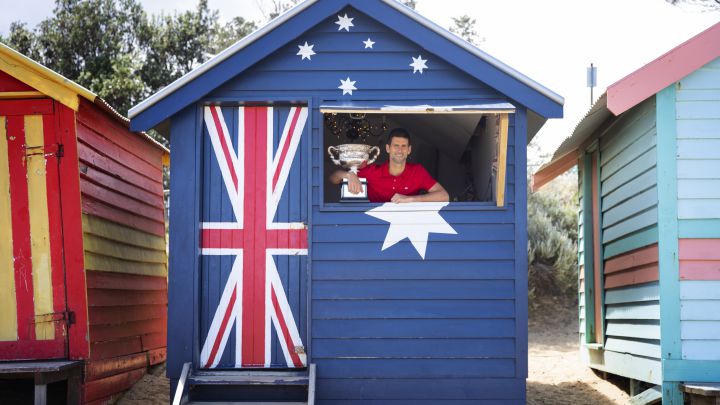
{"type": "Point", "coordinates": [458, 149]}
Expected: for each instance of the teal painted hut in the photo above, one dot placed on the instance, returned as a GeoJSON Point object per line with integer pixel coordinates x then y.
{"type": "Point", "coordinates": [648, 157]}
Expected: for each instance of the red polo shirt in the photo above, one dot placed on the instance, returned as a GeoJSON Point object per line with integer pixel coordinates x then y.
{"type": "Point", "coordinates": [382, 185]}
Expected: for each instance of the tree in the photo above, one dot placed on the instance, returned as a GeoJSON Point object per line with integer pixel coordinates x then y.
{"type": "Point", "coordinates": [464, 27]}
{"type": "Point", "coordinates": [704, 4]}
{"type": "Point", "coordinates": [410, 3]}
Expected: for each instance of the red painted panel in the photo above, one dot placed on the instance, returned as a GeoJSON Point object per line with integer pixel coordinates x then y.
{"type": "Point", "coordinates": [90, 157]}
{"type": "Point", "coordinates": [119, 201]}
{"type": "Point", "coordinates": [72, 234]}
{"type": "Point", "coordinates": [19, 207]}
{"type": "Point", "coordinates": [119, 315]}
{"type": "Point", "coordinates": [699, 259]}
{"type": "Point", "coordinates": [95, 207]}
{"type": "Point", "coordinates": [132, 142]}
{"type": "Point", "coordinates": [96, 369]}
{"type": "Point", "coordinates": [106, 387]}
{"type": "Point", "coordinates": [89, 173]}
{"type": "Point", "coordinates": [101, 333]}
{"type": "Point", "coordinates": [157, 356]}
{"type": "Point", "coordinates": [154, 340]}
{"type": "Point", "coordinates": [636, 267]}
{"type": "Point", "coordinates": [104, 279]}
{"type": "Point", "coordinates": [115, 348]}
{"type": "Point", "coordinates": [122, 156]}
{"type": "Point", "coordinates": [26, 107]}
{"type": "Point", "coordinates": [113, 298]}
{"type": "Point", "coordinates": [9, 83]}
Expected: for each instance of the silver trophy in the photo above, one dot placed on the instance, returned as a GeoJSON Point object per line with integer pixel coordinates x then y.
{"type": "Point", "coordinates": [353, 157]}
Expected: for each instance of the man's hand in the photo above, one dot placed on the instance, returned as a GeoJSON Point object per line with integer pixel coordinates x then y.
{"type": "Point", "coordinates": [354, 184]}
{"type": "Point", "coordinates": [400, 198]}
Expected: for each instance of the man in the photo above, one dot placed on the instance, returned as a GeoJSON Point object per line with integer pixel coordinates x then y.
{"type": "Point", "coordinates": [395, 180]}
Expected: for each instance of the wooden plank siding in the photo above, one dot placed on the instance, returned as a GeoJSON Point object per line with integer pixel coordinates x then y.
{"type": "Point", "coordinates": [386, 325]}
{"type": "Point", "coordinates": [698, 170]}
{"type": "Point", "coordinates": [120, 173]}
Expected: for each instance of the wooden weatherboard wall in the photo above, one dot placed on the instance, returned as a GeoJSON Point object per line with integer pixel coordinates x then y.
{"type": "Point", "coordinates": [388, 325]}
{"type": "Point", "coordinates": [124, 252]}
{"type": "Point", "coordinates": [629, 324]}
{"type": "Point", "coordinates": [698, 211]}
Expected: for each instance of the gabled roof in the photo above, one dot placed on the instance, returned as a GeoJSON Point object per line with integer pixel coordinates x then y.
{"type": "Point", "coordinates": [669, 68]}
{"type": "Point", "coordinates": [261, 43]}
{"type": "Point", "coordinates": [56, 86]}
{"type": "Point", "coordinates": [630, 91]}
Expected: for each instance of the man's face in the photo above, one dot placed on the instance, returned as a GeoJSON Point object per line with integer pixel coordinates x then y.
{"type": "Point", "coordinates": [398, 149]}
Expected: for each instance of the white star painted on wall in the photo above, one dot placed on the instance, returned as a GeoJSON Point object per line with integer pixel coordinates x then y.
{"type": "Point", "coordinates": [347, 86]}
{"type": "Point", "coordinates": [344, 22]}
{"type": "Point", "coordinates": [414, 221]}
{"type": "Point", "coordinates": [306, 51]}
{"type": "Point", "coordinates": [419, 64]}
{"type": "Point", "coordinates": [369, 43]}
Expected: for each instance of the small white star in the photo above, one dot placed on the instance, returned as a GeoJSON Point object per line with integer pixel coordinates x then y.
{"type": "Point", "coordinates": [344, 22]}
{"type": "Point", "coordinates": [414, 221]}
{"type": "Point", "coordinates": [347, 86]}
{"type": "Point", "coordinates": [418, 64]}
{"type": "Point", "coordinates": [369, 43]}
{"type": "Point", "coordinates": [306, 51]}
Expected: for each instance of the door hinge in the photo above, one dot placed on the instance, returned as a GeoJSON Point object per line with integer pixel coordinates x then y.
{"type": "Point", "coordinates": [45, 150]}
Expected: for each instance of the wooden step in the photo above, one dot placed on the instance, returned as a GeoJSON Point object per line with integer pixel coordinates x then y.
{"type": "Point", "coordinates": [294, 378]}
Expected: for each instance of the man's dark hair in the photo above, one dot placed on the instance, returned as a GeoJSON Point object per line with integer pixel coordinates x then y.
{"type": "Point", "coordinates": [398, 133]}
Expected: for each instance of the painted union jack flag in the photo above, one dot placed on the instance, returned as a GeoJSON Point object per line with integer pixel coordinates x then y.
{"type": "Point", "coordinates": [253, 301]}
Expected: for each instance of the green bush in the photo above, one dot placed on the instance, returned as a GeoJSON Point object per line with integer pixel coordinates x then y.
{"type": "Point", "coordinates": [552, 241]}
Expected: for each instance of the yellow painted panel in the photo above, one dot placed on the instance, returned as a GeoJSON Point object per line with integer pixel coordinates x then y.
{"type": "Point", "coordinates": [502, 160]}
{"type": "Point", "coordinates": [106, 263]}
{"type": "Point", "coordinates": [107, 247]}
{"type": "Point", "coordinates": [21, 94]}
{"type": "Point", "coordinates": [8, 303]}
{"type": "Point", "coordinates": [110, 230]}
{"type": "Point", "coordinates": [39, 229]}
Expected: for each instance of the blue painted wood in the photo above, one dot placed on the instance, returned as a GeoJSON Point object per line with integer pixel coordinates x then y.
{"type": "Point", "coordinates": [184, 239]}
{"type": "Point", "coordinates": [634, 329]}
{"type": "Point", "coordinates": [700, 330]}
{"type": "Point", "coordinates": [668, 227]}
{"type": "Point", "coordinates": [700, 310]}
{"type": "Point", "coordinates": [414, 348]}
{"type": "Point", "coordinates": [521, 259]}
{"type": "Point", "coordinates": [633, 224]}
{"type": "Point", "coordinates": [646, 348]}
{"type": "Point", "coordinates": [626, 365]}
{"type": "Point", "coordinates": [413, 309]}
{"type": "Point", "coordinates": [422, 389]}
{"type": "Point", "coordinates": [634, 311]}
{"type": "Point", "coordinates": [701, 349]}
{"type": "Point", "coordinates": [368, 233]}
{"type": "Point", "coordinates": [422, 270]}
{"type": "Point", "coordinates": [633, 241]}
{"type": "Point", "coordinates": [422, 402]}
{"type": "Point", "coordinates": [414, 328]}
{"type": "Point", "coordinates": [414, 289]}
{"type": "Point", "coordinates": [638, 293]}
{"type": "Point", "coordinates": [691, 370]}
{"type": "Point", "coordinates": [643, 182]}
{"type": "Point", "coordinates": [699, 290]}
{"type": "Point", "coordinates": [440, 247]}
{"type": "Point", "coordinates": [415, 368]}
{"type": "Point", "coordinates": [699, 129]}
{"type": "Point", "coordinates": [588, 250]}
{"type": "Point", "coordinates": [318, 13]}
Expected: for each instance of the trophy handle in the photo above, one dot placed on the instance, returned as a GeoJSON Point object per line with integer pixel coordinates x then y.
{"type": "Point", "coordinates": [377, 154]}
{"type": "Point", "coordinates": [332, 151]}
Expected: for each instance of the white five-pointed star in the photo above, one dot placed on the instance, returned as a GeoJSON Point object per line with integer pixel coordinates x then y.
{"type": "Point", "coordinates": [418, 64]}
{"type": "Point", "coordinates": [306, 51]}
{"type": "Point", "coordinates": [344, 22]}
{"type": "Point", "coordinates": [369, 43]}
{"type": "Point", "coordinates": [414, 221]}
{"type": "Point", "coordinates": [347, 86]}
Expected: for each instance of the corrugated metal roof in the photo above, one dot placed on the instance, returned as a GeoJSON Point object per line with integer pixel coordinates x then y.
{"type": "Point", "coordinates": [260, 32]}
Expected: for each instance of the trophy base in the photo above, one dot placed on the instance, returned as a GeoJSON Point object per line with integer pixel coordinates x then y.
{"type": "Point", "coordinates": [347, 196]}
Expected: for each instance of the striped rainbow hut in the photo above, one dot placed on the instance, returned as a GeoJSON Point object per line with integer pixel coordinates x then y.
{"type": "Point", "coordinates": [648, 154]}
{"type": "Point", "coordinates": [83, 288]}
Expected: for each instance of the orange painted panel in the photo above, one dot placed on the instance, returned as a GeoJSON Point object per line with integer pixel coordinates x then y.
{"type": "Point", "coordinates": [637, 275]}
{"type": "Point", "coordinates": [639, 257]}
{"type": "Point", "coordinates": [106, 387]}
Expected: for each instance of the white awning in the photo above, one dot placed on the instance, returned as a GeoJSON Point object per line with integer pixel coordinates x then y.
{"type": "Point", "coordinates": [415, 107]}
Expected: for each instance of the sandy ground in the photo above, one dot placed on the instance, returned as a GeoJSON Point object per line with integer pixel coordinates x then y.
{"type": "Point", "coordinates": [556, 375]}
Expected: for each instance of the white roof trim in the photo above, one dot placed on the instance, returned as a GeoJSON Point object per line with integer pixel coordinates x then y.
{"type": "Point", "coordinates": [271, 25]}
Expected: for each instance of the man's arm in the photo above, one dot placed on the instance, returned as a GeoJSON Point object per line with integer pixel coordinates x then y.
{"type": "Point", "coordinates": [354, 185]}
{"type": "Point", "coordinates": [436, 193]}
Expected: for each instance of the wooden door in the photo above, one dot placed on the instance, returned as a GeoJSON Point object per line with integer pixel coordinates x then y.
{"type": "Point", "coordinates": [32, 279]}
{"type": "Point", "coordinates": [254, 238]}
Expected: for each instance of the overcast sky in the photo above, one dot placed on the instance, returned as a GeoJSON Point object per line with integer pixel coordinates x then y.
{"type": "Point", "coordinates": [550, 41]}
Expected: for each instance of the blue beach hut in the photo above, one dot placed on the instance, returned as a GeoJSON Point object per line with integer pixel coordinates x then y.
{"type": "Point", "coordinates": [276, 283]}
{"type": "Point", "coordinates": [648, 161]}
